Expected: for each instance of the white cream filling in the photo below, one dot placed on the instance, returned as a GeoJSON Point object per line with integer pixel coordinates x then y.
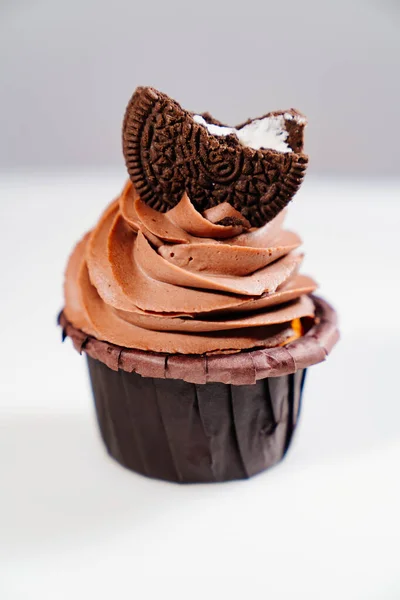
{"type": "Point", "coordinates": [268, 133]}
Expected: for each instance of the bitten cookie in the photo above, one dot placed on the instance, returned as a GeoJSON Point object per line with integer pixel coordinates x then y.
{"type": "Point", "coordinates": [256, 167]}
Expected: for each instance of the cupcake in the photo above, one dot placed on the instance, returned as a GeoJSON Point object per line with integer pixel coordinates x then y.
{"type": "Point", "coordinates": [188, 300]}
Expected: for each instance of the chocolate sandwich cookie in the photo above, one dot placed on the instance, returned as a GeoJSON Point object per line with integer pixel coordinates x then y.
{"type": "Point", "coordinates": [256, 167]}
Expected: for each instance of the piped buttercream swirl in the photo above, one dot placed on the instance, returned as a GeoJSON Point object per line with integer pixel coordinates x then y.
{"type": "Point", "coordinates": [185, 282]}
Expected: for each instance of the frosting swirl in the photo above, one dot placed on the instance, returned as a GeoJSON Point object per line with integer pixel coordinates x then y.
{"type": "Point", "coordinates": [183, 282]}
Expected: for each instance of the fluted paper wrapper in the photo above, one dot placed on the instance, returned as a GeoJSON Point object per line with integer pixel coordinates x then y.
{"type": "Point", "coordinates": [186, 432]}
{"type": "Point", "coordinates": [201, 418]}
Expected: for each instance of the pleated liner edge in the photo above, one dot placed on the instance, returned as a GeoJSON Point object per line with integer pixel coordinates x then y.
{"type": "Point", "coordinates": [154, 422]}
{"type": "Point", "coordinates": [237, 369]}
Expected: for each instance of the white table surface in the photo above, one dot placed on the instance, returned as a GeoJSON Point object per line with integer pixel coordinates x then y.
{"type": "Point", "coordinates": [324, 524]}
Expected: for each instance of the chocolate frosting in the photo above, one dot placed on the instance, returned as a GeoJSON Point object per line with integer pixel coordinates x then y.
{"type": "Point", "coordinates": [185, 282]}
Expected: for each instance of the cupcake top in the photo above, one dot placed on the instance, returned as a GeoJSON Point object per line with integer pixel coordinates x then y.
{"type": "Point", "coordinates": [192, 257]}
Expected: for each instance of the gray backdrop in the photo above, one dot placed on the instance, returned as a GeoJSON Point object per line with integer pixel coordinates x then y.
{"type": "Point", "coordinates": [68, 68]}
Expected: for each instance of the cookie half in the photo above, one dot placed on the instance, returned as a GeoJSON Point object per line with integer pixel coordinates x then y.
{"type": "Point", "coordinates": [257, 167]}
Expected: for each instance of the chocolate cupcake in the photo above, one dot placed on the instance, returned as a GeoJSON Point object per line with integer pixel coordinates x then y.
{"type": "Point", "coordinates": [187, 298]}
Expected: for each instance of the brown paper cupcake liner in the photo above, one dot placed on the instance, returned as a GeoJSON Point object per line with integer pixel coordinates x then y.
{"type": "Point", "coordinates": [196, 418]}
{"type": "Point", "coordinates": [191, 433]}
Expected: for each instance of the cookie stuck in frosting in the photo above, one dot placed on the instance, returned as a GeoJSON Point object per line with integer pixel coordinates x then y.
{"type": "Point", "coordinates": [256, 167]}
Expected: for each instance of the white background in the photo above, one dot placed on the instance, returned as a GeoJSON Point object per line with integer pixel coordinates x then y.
{"type": "Point", "coordinates": [68, 69]}
{"type": "Point", "coordinates": [322, 525]}
{"type": "Point", "coordinates": [325, 523]}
